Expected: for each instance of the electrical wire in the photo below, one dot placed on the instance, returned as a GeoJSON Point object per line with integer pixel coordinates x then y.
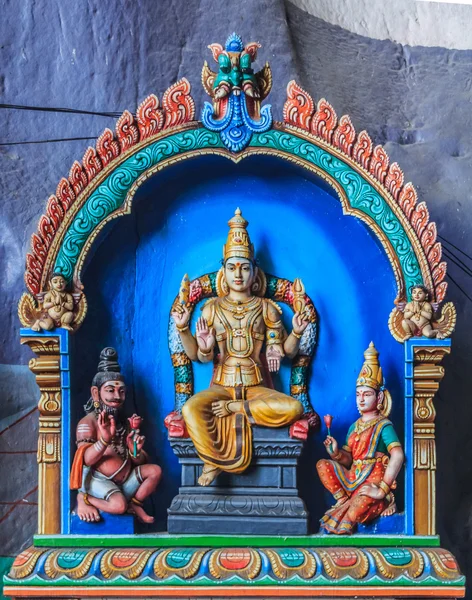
{"type": "Point", "coordinates": [48, 141]}
{"type": "Point", "coordinates": [457, 285]}
{"type": "Point", "coordinates": [451, 244]}
{"type": "Point", "coordinates": [74, 111]}
{"type": "Point", "coordinates": [457, 261]}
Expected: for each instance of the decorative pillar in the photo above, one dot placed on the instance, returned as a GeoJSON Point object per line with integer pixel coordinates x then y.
{"type": "Point", "coordinates": [47, 369]}
{"type": "Point", "coordinates": [427, 374]}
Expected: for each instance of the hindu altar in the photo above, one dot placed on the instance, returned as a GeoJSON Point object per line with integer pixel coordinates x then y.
{"type": "Point", "coordinates": [253, 421]}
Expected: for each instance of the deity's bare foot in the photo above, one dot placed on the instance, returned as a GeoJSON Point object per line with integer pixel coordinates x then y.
{"type": "Point", "coordinates": [223, 408]}
{"type": "Point", "coordinates": [68, 327]}
{"type": "Point", "coordinates": [140, 513]}
{"type": "Point", "coordinates": [339, 503]}
{"type": "Point", "coordinates": [86, 512]}
{"type": "Point", "coordinates": [208, 475]}
{"type": "Point", "coordinates": [391, 509]}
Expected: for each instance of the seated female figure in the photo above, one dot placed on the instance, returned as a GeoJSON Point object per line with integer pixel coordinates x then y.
{"type": "Point", "coordinates": [362, 473]}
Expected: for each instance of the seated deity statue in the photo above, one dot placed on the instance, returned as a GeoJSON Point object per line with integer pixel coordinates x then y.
{"type": "Point", "coordinates": [111, 471]}
{"type": "Point", "coordinates": [418, 315]}
{"type": "Point", "coordinates": [243, 334]}
{"type": "Point", "coordinates": [57, 306]}
{"type": "Point", "coordinates": [361, 474]}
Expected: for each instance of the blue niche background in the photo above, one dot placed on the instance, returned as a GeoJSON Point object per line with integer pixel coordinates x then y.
{"type": "Point", "coordinates": [179, 225]}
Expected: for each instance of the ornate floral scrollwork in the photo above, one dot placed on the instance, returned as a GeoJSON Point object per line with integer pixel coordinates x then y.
{"type": "Point", "coordinates": [75, 564]}
{"type": "Point", "coordinates": [183, 562]}
{"type": "Point", "coordinates": [25, 563]}
{"type": "Point", "coordinates": [225, 563]}
{"type": "Point", "coordinates": [444, 564]}
{"type": "Point", "coordinates": [288, 562]}
{"type": "Point", "coordinates": [344, 562]}
{"type": "Point", "coordinates": [129, 563]}
{"type": "Point", "coordinates": [393, 563]}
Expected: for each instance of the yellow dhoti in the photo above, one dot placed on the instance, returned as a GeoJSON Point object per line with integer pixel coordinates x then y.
{"type": "Point", "coordinates": [226, 442]}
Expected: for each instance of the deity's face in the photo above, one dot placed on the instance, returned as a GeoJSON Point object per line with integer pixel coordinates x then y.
{"type": "Point", "coordinates": [239, 274]}
{"type": "Point", "coordinates": [418, 294]}
{"type": "Point", "coordinates": [112, 394]}
{"type": "Point", "coordinates": [58, 283]}
{"type": "Point", "coordinates": [366, 398]}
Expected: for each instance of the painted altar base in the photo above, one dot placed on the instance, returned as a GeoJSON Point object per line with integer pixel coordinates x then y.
{"type": "Point", "coordinates": [168, 566]}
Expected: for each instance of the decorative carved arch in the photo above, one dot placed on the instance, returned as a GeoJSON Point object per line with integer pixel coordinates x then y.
{"type": "Point", "coordinates": [102, 187]}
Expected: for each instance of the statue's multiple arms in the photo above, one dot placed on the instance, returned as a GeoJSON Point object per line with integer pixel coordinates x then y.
{"type": "Point", "coordinates": [181, 316]}
{"type": "Point", "coordinates": [201, 348]}
{"type": "Point", "coordinates": [292, 343]}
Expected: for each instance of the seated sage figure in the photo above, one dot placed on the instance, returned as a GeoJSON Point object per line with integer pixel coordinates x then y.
{"type": "Point", "coordinates": [110, 468]}
{"type": "Point", "coordinates": [233, 331]}
{"type": "Point", "coordinates": [361, 474]}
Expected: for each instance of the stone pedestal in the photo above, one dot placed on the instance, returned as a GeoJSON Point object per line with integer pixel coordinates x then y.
{"type": "Point", "coordinates": [263, 500]}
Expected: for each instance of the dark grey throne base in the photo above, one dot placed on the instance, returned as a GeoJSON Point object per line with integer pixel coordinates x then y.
{"type": "Point", "coordinates": [263, 500]}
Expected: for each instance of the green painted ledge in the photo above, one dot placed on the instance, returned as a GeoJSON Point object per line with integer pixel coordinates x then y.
{"type": "Point", "coordinates": [165, 540]}
{"type": "Point", "coordinates": [5, 566]}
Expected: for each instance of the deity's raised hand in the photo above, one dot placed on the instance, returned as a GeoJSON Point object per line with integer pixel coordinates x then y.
{"type": "Point", "coordinates": [106, 426]}
{"type": "Point", "coordinates": [274, 358]}
{"type": "Point", "coordinates": [205, 335]}
{"type": "Point", "coordinates": [331, 445]}
{"type": "Point", "coordinates": [300, 322]}
{"type": "Point", "coordinates": [181, 315]}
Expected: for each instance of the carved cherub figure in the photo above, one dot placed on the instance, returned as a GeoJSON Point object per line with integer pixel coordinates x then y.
{"type": "Point", "coordinates": [418, 315]}
{"type": "Point", "coordinates": [57, 305]}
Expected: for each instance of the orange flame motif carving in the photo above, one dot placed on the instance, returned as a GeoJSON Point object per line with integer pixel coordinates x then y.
{"type": "Point", "coordinates": [177, 109]}
{"type": "Point", "coordinates": [320, 121]}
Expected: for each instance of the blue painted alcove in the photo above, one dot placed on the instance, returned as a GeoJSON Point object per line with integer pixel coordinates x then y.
{"type": "Point", "coordinates": [178, 225]}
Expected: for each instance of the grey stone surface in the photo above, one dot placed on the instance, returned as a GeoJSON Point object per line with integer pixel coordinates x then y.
{"type": "Point", "coordinates": [412, 22]}
{"type": "Point", "coordinates": [263, 500]}
{"type": "Point", "coordinates": [108, 56]}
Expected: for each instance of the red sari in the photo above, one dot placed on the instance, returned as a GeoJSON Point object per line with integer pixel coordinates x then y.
{"type": "Point", "coordinates": [369, 444]}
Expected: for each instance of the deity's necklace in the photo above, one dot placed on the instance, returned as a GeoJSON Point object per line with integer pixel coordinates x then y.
{"type": "Point", "coordinates": [362, 426]}
{"type": "Point", "coordinates": [118, 441]}
{"type": "Point", "coordinates": [239, 308]}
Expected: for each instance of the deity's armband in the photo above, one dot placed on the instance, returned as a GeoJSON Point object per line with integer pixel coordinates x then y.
{"type": "Point", "coordinates": [275, 336]}
{"type": "Point", "coordinates": [275, 332]}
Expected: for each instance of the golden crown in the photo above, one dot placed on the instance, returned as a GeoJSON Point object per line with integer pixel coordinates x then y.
{"type": "Point", "coordinates": [371, 372]}
{"type": "Point", "coordinates": [238, 243]}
